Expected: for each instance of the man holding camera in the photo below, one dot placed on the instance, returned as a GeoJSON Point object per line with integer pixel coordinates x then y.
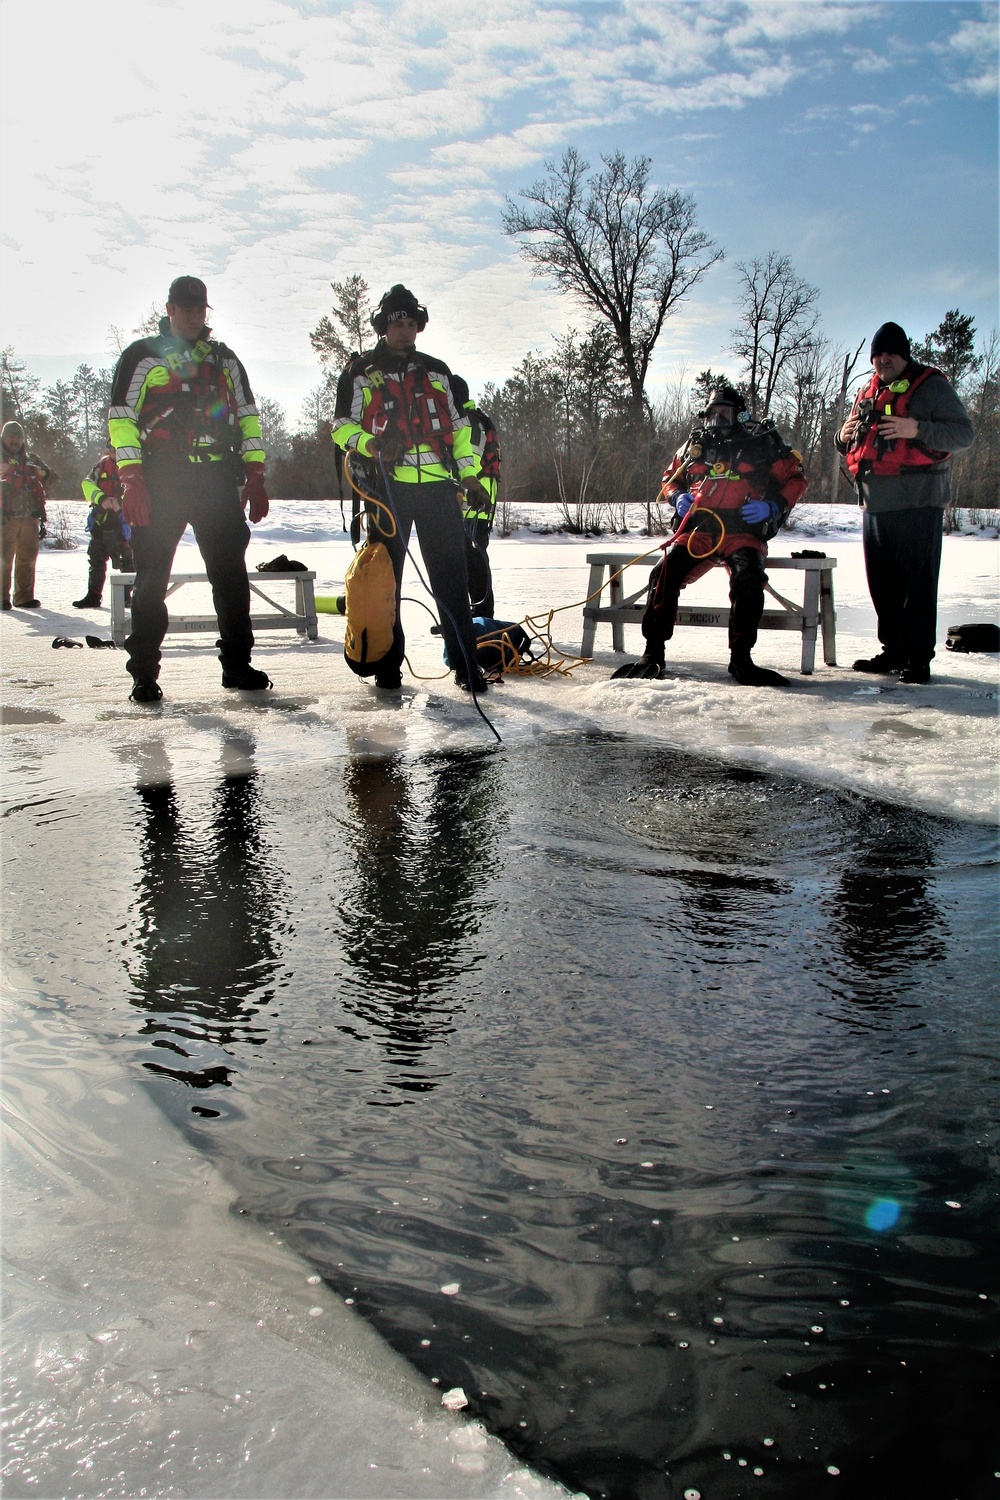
{"type": "Point", "coordinates": [898, 441]}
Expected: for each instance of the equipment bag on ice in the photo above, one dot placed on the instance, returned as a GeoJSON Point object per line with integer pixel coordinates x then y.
{"type": "Point", "coordinates": [500, 645]}
{"type": "Point", "coordinates": [370, 588]}
{"type": "Point", "coordinates": [973, 638]}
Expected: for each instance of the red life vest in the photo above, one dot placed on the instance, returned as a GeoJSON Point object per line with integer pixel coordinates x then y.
{"type": "Point", "coordinates": [197, 408]}
{"type": "Point", "coordinates": [19, 473]}
{"type": "Point", "coordinates": [412, 404]}
{"type": "Point", "coordinates": [873, 454]}
{"type": "Point", "coordinates": [105, 475]}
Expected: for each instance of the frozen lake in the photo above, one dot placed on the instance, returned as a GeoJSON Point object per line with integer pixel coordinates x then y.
{"type": "Point", "coordinates": [611, 1085]}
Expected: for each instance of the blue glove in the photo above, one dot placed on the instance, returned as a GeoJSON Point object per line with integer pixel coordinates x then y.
{"type": "Point", "coordinates": [683, 503]}
{"type": "Point", "coordinates": [756, 511]}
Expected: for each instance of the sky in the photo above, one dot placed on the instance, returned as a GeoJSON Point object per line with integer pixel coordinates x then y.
{"type": "Point", "coordinates": [271, 147]}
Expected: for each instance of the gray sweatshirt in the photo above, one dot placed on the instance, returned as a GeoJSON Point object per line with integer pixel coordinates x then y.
{"type": "Point", "coordinates": [944, 424]}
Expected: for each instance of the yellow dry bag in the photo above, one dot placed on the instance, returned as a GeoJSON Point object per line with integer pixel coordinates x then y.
{"type": "Point", "coordinates": [370, 586]}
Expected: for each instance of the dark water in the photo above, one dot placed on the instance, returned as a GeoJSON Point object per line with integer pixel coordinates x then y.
{"type": "Point", "coordinates": [686, 1076]}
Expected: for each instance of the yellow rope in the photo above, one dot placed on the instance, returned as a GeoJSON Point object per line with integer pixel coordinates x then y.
{"type": "Point", "coordinates": [370, 500]}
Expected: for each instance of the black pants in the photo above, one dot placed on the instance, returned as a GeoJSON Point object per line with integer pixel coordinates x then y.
{"type": "Point", "coordinates": [435, 510]}
{"type": "Point", "coordinates": [106, 543]}
{"type": "Point", "coordinates": [210, 504]}
{"type": "Point", "coordinates": [480, 574]}
{"type": "Point", "coordinates": [902, 561]}
{"type": "Point", "coordinates": [746, 596]}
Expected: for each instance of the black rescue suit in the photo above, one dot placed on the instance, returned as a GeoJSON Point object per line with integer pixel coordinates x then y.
{"type": "Point", "coordinates": [723, 470]}
{"type": "Point", "coordinates": [412, 396]}
{"type": "Point", "coordinates": [108, 534]}
{"type": "Point", "coordinates": [186, 413]}
{"type": "Point", "coordinates": [904, 486]}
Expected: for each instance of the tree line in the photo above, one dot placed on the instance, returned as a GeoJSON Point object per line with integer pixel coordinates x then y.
{"type": "Point", "coordinates": [578, 427]}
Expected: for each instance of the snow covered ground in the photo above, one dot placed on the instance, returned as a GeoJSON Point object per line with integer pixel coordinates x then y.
{"type": "Point", "coordinates": [139, 1310]}
{"type": "Point", "coordinates": [934, 747]}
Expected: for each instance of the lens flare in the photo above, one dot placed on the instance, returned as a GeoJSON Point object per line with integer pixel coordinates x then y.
{"type": "Point", "coordinates": [883, 1213]}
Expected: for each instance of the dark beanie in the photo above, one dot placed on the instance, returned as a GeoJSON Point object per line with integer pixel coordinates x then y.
{"type": "Point", "coordinates": [890, 339]}
{"type": "Point", "coordinates": [399, 302]}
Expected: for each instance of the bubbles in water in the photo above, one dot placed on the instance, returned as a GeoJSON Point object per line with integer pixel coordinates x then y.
{"type": "Point", "coordinates": [832, 1469]}
{"type": "Point", "coordinates": [451, 1289]}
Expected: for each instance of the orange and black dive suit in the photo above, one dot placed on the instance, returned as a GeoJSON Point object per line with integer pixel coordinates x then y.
{"type": "Point", "coordinates": [412, 397]}
{"type": "Point", "coordinates": [724, 470]}
{"type": "Point", "coordinates": [109, 536]}
{"type": "Point", "coordinates": [185, 412]}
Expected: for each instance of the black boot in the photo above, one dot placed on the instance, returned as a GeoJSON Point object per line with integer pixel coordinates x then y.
{"type": "Point", "coordinates": [89, 601]}
{"type": "Point", "coordinates": [748, 674]}
{"type": "Point", "coordinates": [247, 678]}
{"type": "Point", "coordinates": [881, 665]}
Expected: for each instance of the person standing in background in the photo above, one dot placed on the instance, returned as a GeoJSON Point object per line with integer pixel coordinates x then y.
{"type": "Point", "coordinates": [898, 441]}
{"type": "Point", "coordinates": [23, 522]}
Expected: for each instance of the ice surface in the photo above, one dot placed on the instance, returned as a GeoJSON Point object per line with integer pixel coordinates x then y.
{"type": "Point", "coordinates": [156, 1344]}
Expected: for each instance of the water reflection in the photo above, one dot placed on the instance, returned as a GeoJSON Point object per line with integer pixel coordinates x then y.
{"type": "Point", "coordinates": [204, 958]}
{"type": "Point", "coordinates": [882, 912]}
{"type": "Point", "coordinates": [422, 840]}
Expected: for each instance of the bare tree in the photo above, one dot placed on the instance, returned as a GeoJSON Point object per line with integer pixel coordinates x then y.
{"type": "Point", "coordinates": [147, 326]}
{"type": "Point", "coordinates": [839, 413]}
{"type": "Point", "coordinates": [336, 338]}
{"type": "Point", "coordinates": [625, 250]}
{"type": "Point", "coordinates": [777, 320]}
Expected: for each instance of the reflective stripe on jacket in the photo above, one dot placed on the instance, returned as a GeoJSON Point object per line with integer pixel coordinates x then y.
{"type": "Point", "coordinates": [412, 396]}
{"type": "Point", "coordinates": [191, 400]}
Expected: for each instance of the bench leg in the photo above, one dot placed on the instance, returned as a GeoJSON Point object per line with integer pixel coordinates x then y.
{"type": "Point", "coordinates": [118, 613]}
{"type": "Point", "coordinates": [810, 620]}
{"type": "Point", "coordinates": [616, 590]}
{"type": "Point", "coordinates": [305, 605]}
{"type": "Point", "coordinates": [828, 618]}
{"type": "Point", "coordinates": [595, 586]}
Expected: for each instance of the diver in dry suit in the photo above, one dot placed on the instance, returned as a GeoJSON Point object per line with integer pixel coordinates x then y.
{"type": "Point", "coordinates": [397, 407]}
{"type": "Point", "coordinates": [741, 471]}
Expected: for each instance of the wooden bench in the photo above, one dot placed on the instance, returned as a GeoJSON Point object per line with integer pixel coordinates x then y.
{"type": "Point", "coordinates": [302, 618]}
{"type": "Point", "coordinates": [816, 610]}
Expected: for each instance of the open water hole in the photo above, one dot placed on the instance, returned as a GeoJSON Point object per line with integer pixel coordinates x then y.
{"type": "Point", "coordinates": [651, 1102]}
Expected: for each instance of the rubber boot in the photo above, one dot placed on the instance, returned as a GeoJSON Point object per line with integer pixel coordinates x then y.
{"type": "Point", "coordinates": [748, 674]}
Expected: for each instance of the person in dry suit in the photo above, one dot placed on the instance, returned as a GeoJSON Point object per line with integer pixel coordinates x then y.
{"type": "Point", "coordinates": [109, 535]}
{"type": "Point", "coordinates": [397, 407]}
{"type": "Point", "coordinates": [898, 441]}
{"type": "Point", "coordinates": [23, 524]}
{"type": "Point", "coordinates": [479, 508]}
{"type": "Point", "coordinates": [743, 472]}
{"type": "Point", "coordinates": [186, 432]}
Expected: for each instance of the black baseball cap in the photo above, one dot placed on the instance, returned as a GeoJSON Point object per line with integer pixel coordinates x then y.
{"type": "Point", "coordinates": [188, 291]}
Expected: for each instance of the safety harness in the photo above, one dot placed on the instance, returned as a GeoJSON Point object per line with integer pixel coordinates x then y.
{"type": "Point", "coordinates": [872, 454]}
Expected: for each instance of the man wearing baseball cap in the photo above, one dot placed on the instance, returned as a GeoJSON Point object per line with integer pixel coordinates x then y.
{"type": "Point", "coordinates": [186, 436]}
{"type": "Point", "coordinates": [904, 426]}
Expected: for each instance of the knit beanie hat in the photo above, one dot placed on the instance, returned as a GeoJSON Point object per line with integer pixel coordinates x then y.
{"type": "Point", "coordinates": [11, 429]}
{"type": "Point", "coordinates": [890, 339]}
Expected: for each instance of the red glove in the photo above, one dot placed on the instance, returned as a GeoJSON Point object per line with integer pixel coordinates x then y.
{"type": "Point", "coordinates": [255, 493]}
{"type": "Point", "coordinates": [135, 497]}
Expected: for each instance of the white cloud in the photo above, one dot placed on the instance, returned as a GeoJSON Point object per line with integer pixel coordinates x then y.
{"type": "Point", "coordinates": [973, 47]}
